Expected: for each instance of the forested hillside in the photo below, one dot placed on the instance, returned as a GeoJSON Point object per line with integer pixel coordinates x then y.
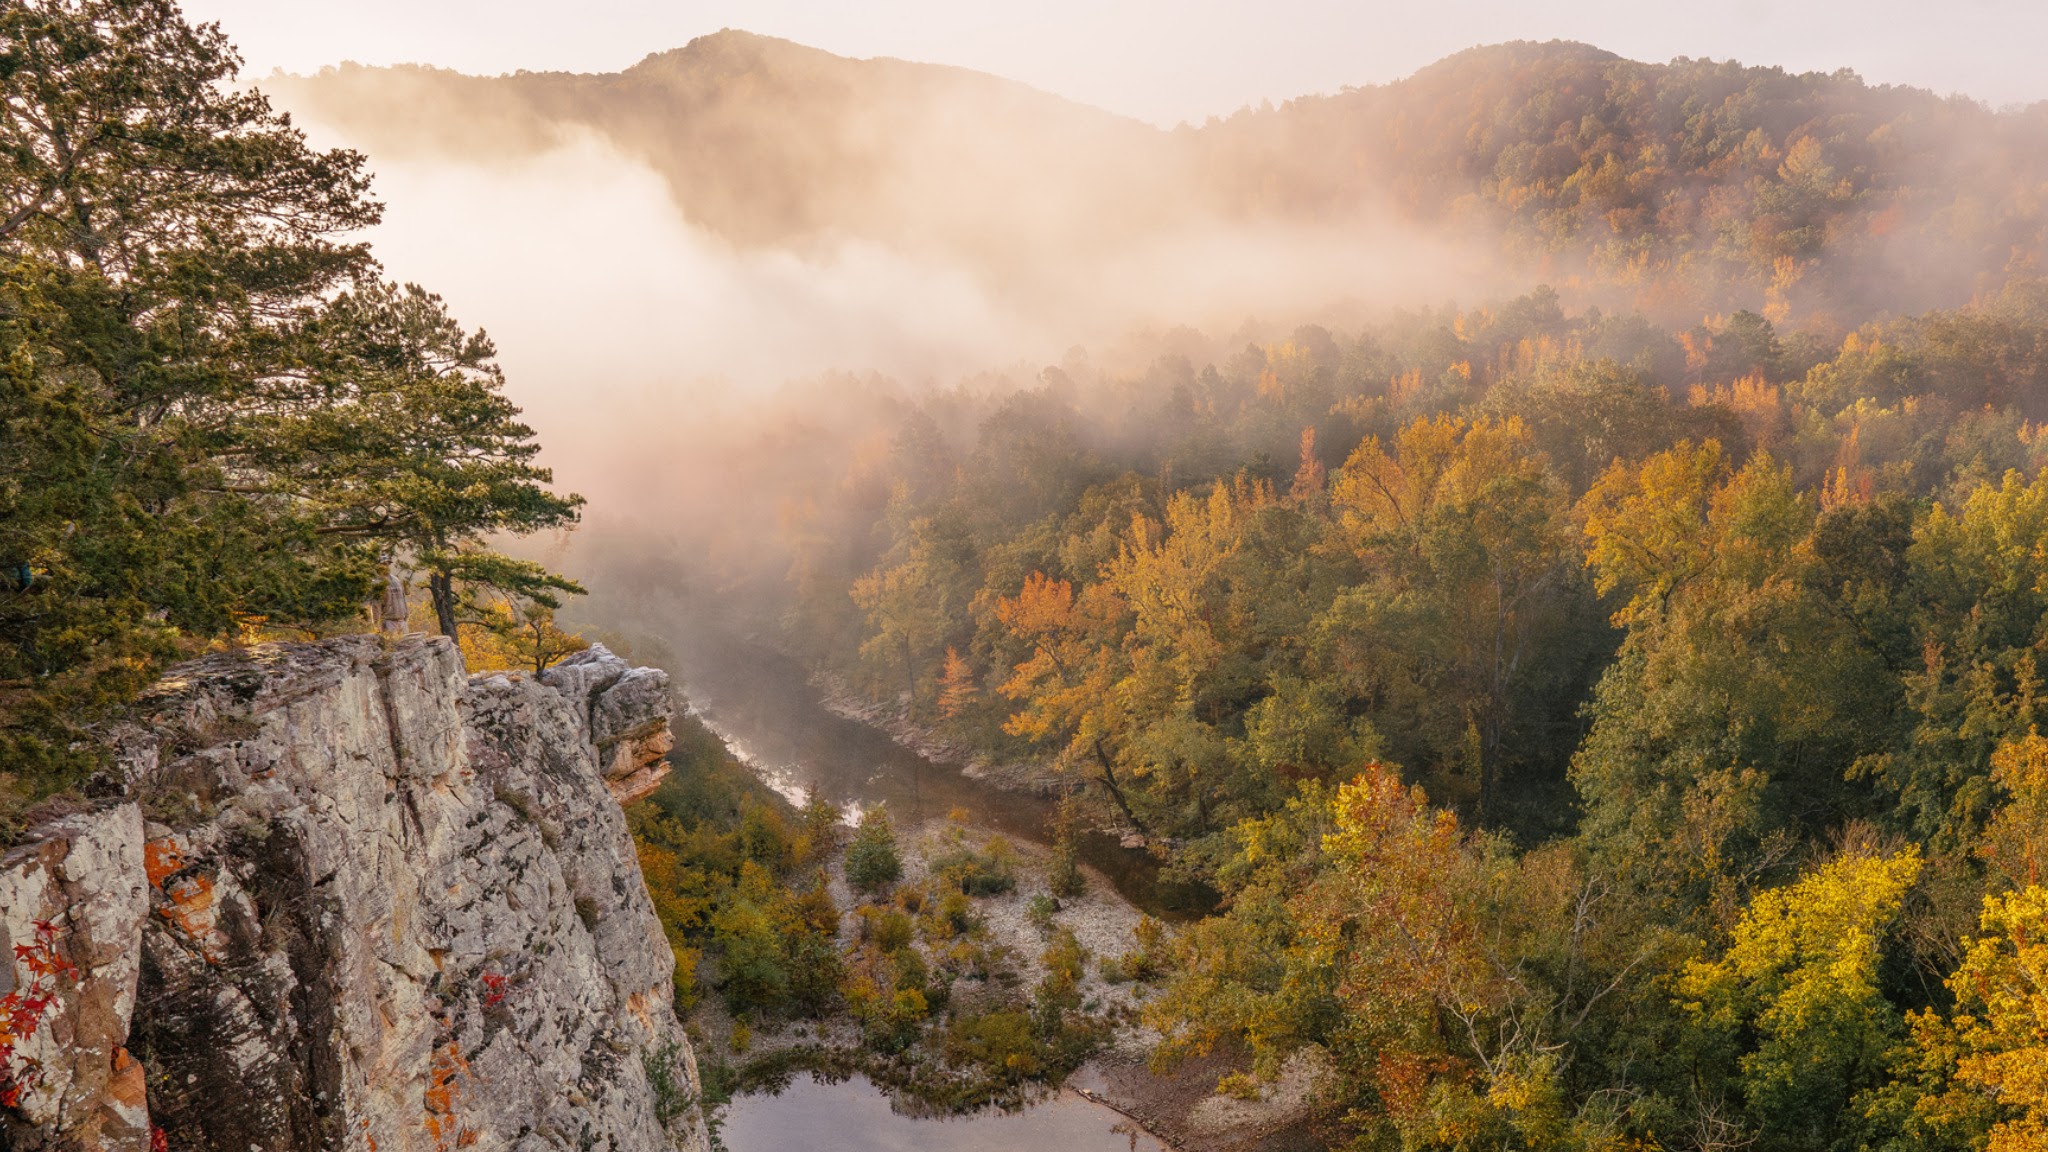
{"type": "Point", "coordinates": [1607, 710]}
{"type": "Point", "coordinates": [1601, 734]}
{"type": "Point", "coordinates": [1686, 187]}
{"type": "Point", "coordinates": [1676, 189]}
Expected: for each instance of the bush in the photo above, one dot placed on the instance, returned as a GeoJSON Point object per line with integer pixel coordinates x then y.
{"type": "Point", "coordinates": [953, 917]}
{"type": "Point", "coordinates": [1040, 912]}
{"type": "Point", "coordinates": [871, 860]}
{"type": "Point", "coordinates": [887, 929]}
{"type": "Point", "coordinates": [1149, 958]}
{"type": "Point", "coordinates": [988, 872]}
{"type": "Point", "coordinates": [891, 1018]}
{"type": "Point", "coordinates": [1066, 962]}
{"type": "Point", "coordinates": [1239, 1086]}
{"type": "Point", "coordinates": [1002, 1044]}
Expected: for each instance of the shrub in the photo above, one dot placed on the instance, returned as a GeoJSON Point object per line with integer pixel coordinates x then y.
{"type": "Point", "coordinates": [1002, 1044]}
{"type": "Point", "coordinates": [1040, 912]}
{"type": "Point", "coordinates": [887, 929]}
{"type": "Point", "coordinates": [1149, 957]}
{"type": "Point", "coordinates": [955, 915]}
{"type": "Point", "coordinates": [1066, 962]}
{"type": "Point", "coordinates": [670, 1082]}
{"type": "Point", "coordinates": [871, 860]}
{"type": "Point", "coordinates": [987, 872]}
{"type": "Point", "coordinates": [1238, 1086]}
{"type": "Point", "coordinates": [890, 1019]}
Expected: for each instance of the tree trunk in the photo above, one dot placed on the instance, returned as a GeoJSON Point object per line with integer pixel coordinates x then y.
{"type": "Point", "coordinates": [1116, 793]}
{"type": "Point", "coordinates": [442, 585]}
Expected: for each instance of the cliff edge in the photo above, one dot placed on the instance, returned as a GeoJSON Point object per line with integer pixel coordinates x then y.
{"type": "Point", "coordinates": [344, 896]}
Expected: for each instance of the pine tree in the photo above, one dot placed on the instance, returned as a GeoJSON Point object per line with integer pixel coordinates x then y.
{"type": "Point", "coordinates": [871, 860]}
{"type": "Point", "coordinates": [212, 409]}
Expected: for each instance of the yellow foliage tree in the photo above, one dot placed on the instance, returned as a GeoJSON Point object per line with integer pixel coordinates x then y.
{"type": "Point", "coordinates": [957, 690]}
{"type": "Point", "coordinates": [2016, 841]}
{"type": "Point", "coordinates": [2002, 992]}
{"type": "Point", "coordinates": [1801, 976]}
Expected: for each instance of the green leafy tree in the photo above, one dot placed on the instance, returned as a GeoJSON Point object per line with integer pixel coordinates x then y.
{"type": "Point", "coordinates": [871, 860]}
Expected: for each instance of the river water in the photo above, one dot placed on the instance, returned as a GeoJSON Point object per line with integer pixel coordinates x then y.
{"type": "Point", "coordinates": [764, 705]}
{"type": "Point", "coordinates": [853, 1116]}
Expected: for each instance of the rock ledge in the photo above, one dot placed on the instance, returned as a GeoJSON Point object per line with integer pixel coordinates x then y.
{"type": "Point", "coordinates": [351, 898]}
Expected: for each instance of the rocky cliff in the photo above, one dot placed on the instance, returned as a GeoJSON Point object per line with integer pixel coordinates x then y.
{"type": "Point", "coordinates": [343, 896]}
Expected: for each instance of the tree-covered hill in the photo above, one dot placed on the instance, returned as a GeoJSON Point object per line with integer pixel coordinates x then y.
{"type": "Point", "coordinates": [1682, 189]}
{"type": "Point", "coordinates": [766, 142]}
{"type": "Point", "coordinates": [1689, 184]}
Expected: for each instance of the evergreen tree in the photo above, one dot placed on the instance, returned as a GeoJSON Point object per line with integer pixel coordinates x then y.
{"type": "Point", "coordinates": [213, 412]}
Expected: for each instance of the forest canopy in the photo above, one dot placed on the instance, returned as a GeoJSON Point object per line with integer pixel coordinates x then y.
{"type": "Point", "coordinates": [1600, 734]}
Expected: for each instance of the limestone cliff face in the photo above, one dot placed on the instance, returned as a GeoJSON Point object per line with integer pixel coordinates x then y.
{"type": "Point", "coordinates": [350, 898]}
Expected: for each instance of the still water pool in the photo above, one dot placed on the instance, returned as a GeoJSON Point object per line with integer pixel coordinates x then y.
{"type": "Point", "coordinates": [853, 1116]}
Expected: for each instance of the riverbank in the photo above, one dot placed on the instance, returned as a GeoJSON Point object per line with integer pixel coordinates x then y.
{"type": "Point", "coordinates": [806, 735]}
{"type": "Point", "coordinates": [1027, 776]}
{"type": "Point", "coordinates": [1182, 1110]}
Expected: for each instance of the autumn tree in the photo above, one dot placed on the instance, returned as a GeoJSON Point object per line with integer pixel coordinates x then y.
{"type": "Point", "coordinates": [1066, 688]}
{"type": "Point", "coordinates": [957, 688]}
{"type": "Point", "coordinates": [1461, 530]}
{"type": "Point", "coordinates": [1795, 1003]}
{"type": "Point", "coordinates": [2001, 991]}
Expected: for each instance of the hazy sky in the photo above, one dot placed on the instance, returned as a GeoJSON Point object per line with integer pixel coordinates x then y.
{"type": "Point", "coordinates": [1169, 60]}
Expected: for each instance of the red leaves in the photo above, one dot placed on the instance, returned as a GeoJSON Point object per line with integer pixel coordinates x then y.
{"type": "Point", "coordinates": [22, 1010]}
{"type": "Point", "coordinates": [494, 989]}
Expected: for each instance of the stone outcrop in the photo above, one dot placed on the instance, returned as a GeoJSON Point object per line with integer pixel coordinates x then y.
{"type": "Point", "coordinates": [627, 713]}
{"type": "Point", "coordinates": [346, 897]}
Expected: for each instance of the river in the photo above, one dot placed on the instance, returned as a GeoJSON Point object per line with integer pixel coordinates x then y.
{"type": "Point", "coordinates": [765, 707]}
{"type": "Point", "coordinates": [854, 1116]}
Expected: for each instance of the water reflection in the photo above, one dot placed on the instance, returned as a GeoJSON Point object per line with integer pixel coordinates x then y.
{"type": "Point", "coordinates": [854, 1116]}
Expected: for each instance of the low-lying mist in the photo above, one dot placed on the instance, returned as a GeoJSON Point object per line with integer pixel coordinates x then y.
{"type": "Point", "coordinates": [650, 352]}
{"type": "Point", "coordinates": [717, 280]}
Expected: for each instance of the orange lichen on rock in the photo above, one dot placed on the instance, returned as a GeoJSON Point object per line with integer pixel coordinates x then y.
{"type": "Point", "coordinates": [189, 905]}
{"type": "Point", "coordinates": [161, 858]}
{"type": "Point", "coordinates": [444, 1090]}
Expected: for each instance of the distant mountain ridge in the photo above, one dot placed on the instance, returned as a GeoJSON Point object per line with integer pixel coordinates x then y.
{"type": "Point", "coordinates": [1688, 187]}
